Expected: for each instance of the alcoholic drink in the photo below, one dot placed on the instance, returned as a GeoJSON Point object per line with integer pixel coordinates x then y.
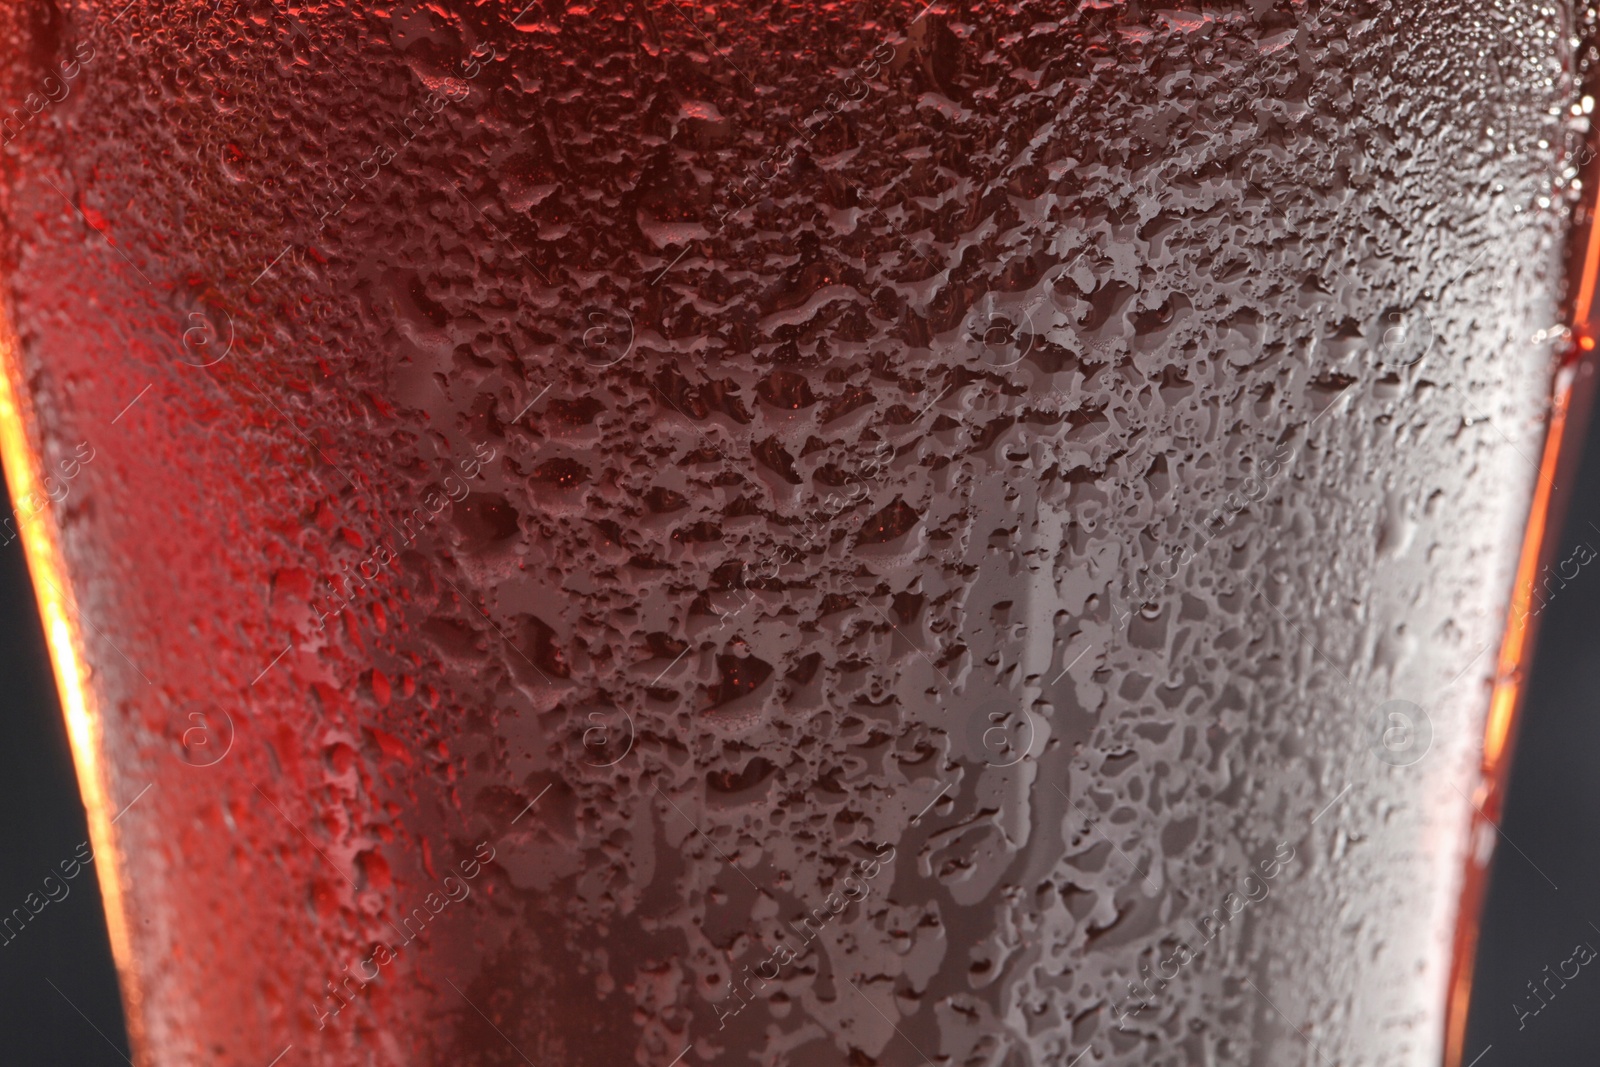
{"type": "Point", "coordinates": [887, 535]}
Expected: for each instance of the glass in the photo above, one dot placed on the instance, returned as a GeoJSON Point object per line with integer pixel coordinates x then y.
{"type": "Point", "coordinates": [892, 535]}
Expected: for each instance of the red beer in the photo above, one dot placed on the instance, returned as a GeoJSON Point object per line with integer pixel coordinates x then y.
{"type": "Point", "coordinates": [886, 534]}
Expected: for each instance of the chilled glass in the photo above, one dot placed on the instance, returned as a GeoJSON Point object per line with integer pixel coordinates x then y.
{"type": "Point", "coordinates": [881, 535]}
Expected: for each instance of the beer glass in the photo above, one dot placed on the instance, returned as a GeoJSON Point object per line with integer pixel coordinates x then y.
{"type": "Point", "coordinates": [657, 533]}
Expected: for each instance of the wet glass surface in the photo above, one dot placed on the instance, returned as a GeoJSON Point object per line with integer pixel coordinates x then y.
{"type": "Point", "coordinates": [662, 533]}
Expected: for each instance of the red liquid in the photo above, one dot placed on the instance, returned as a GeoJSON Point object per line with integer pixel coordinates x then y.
{"type": "Point", "coordinates": [655, 534]}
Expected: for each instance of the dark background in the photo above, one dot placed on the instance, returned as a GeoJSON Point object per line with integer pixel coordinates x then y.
{"type": "Point", "coordinates": [1544, 892]}
{"type": "Point", "coordinates": [42, 824]}
{"type": "Point", "coordinates": [1543, 904]}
